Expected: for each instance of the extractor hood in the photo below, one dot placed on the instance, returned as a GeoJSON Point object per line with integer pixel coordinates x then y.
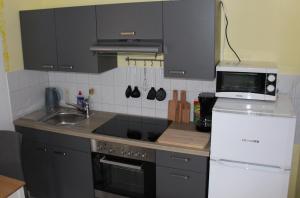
{"type": "Point", "coordinates": [128, 46]}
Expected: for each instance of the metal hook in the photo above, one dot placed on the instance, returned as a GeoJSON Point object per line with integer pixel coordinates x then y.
{"type": "Point", "coordinates": [152, 63]}
{"type": "Point", "coordinates": [135, 63]}
{"type": "Point", "coordinates": [145, 63]}
{"type": "Point", "coordinates": [160, 63]}
{"type": "Point", "coordinates": [128, 61]}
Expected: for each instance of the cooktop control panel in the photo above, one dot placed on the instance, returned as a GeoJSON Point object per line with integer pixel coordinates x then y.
{"type": "Point", "coordinates": [123, 150]}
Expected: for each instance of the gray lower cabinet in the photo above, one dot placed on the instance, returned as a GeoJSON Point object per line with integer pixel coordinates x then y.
{"type": "Point", "coordinates": [176, 183]}
{"type": "Point", "coordinates": [55, 165]}
{"type": "Point", "coordinates": [181, 175]}
{"type": "Point", "coordinates": [130, 21]}
{"type": "Point", "coordinates": [36, 160]}
{"type": "Point", "coordinates": [191, 38]}
{"type": "Point", "coordinates": [38, 39]}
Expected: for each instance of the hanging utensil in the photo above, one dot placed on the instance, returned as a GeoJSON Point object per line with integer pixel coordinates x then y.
{"type": "Point", "coordinates": [136, 92]}
{"type": "Point", "coordinates": [161, 94]}
{"type": "Point", "coordinates": [152, 92]}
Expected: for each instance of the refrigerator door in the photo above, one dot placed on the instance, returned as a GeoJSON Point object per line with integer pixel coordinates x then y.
{"type": "Point", "coordinates": [233, 180]}
{"type": "Point", "coordinates": [257, 139]}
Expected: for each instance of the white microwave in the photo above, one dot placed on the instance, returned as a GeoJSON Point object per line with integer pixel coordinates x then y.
{"type": "Point", "coordinates": [247, 80]}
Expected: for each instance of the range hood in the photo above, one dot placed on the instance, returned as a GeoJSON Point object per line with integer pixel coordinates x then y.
{"type": "Point", "coordinates": [128, 46]}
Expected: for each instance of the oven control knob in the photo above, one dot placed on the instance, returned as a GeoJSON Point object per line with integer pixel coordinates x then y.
{"type": "Point", "coordinates": [270, 88]}
{"type": "Point", "coordinates": [271, 78]}
{"type": "Point", "coordinates": [110, 150]}
{"type": "Point", "coordinates": [136, 154]}
{"type": "Point", "coordinates": [129, 153]}
{"type": "Point", "coordinates": [143, 155]}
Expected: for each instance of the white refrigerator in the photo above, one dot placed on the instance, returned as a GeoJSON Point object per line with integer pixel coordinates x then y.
{"type": "Point", "coordinates": [251, 148]}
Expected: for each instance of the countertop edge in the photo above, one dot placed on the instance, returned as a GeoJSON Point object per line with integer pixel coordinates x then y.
{"type": "Point", "coordinates": [87, 133]}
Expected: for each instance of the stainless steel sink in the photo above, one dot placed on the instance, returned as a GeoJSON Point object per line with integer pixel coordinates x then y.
{"type": "Point", "coordinates": [64, 118]}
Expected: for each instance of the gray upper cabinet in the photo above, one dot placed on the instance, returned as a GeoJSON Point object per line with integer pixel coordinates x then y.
{"type": "Point", "coordinates": [191, 38]}
{"type": "Point", "coordinates": [130, 21]}
{"type": "Point", "coordinates": [60, 40]}
{"type": "Point", "coordinates": [76, 32]}
{"type": "Point", "coordinates": [38, 39]}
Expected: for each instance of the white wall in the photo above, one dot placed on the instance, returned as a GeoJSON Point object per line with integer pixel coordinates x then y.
{"type": "Point", "coordinates": [5, 107]}
{"type": "Point", "coordinates": [110, 89]}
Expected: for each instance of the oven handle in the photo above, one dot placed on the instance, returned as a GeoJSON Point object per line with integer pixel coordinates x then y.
{"type": "Point", "coordinates": [105, 161]}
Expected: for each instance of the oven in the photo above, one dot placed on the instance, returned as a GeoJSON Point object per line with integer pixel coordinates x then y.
{"type": "Point", "coordinates": [121, 171]}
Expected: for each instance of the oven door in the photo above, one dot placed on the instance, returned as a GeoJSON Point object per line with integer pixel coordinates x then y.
{"type": "Point", "coordinates": [116, 177]}
{"type": "Point", "coordinates": [241, 84]}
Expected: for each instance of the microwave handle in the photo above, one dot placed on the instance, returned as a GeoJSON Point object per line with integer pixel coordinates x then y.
{"type": "Point", "coordinates": [130, 166]}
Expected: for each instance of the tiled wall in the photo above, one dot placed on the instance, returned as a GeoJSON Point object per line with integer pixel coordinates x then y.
{"type": "Point", "coordinates": [110, 89]}
{"type": "Point", "coordinates": [5, 108]}
{"type": "Point", "coordinates": [290, 84]}
{"type": "Point", "coordinates": [27, 89]}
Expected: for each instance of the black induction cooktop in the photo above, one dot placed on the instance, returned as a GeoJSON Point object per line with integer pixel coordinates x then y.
{"type": "Point", "coordinates": [134, 127]}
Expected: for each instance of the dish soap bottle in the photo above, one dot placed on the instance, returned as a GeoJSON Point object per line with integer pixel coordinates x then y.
{"type": "Point", "coordinates": [80, 99]}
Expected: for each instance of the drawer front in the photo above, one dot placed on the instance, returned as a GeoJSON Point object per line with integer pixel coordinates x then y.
{"type": "Point", "coordinates": [182, 161]}
{"type": "Point", "coordinates": [178, 183]}
{"type": "Point", "coordinates": [228, 179]}
{"type": "Point", "coordinates": [256, 139]}
{"type": "Point", "coordinates": [55, 139]}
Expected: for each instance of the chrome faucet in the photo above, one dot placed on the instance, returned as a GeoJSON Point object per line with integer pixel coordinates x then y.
{"type": "Point", "coordinates": [85, 108]}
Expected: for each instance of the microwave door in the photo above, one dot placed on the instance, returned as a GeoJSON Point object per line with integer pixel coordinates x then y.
{"type": "Point", "coordinates": [241, 82]}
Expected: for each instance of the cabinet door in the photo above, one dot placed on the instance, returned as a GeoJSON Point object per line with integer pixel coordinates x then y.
{"type": "Point", "coordinates": [76, 33]}
{"type": "Point", "coordinates": [189, 37]}
{"type": "Point", "coordinates": [38, 39]}
{"type": "Point", "coordinates": [73, 173]}
{"type": "Point", "coordinates": [177, 183]}
{"type": "Point", "coordinates": [130, 21]}
{"type": "Point", "coordinates": [37, 169]}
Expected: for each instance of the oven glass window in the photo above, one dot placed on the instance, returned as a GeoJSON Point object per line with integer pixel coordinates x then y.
{"type": "Point", "coordinates": [241, 82]}
{"type": "Point", "coordinates": [121, 176]}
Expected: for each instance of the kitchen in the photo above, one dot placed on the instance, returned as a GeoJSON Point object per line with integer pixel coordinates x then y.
{"type": "Point", "coordinates": [27, 87]}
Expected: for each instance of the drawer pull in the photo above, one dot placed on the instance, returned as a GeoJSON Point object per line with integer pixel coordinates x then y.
{"type": "Point", "coordinates": [48, 66]}
{"type": "Point", "coordinates": [44, 149]}
{"type": "Point", "coordinates": [60, 153]}
{"type": "Point", "coordinates": [180, 176]}
{"type": "Point", "coordinates": [180, 158]}
{"type": "Point", "coordinates": [127, 33]}
{"type": "Point", "coordinates": [177, 72]}
{"type": "Point", "coordinates": [67, 67]}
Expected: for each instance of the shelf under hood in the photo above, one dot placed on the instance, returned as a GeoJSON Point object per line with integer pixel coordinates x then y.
{"type": "Point", "coordinates": [128, 46]}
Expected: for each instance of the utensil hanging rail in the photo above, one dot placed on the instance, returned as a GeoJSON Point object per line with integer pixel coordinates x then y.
{"type": "Point", "coordinates": [144, 59]}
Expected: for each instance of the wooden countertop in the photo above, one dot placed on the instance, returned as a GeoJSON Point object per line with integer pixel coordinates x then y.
{"type": "Point", "coordinates": [84, 129]}
{"type": "Point", "coordinates": [8, 186]}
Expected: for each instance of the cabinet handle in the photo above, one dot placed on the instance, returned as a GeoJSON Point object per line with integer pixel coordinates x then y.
{"type": "Point", "coordinates": [44, 149]}
{"type": "Point", "coordinates": [60, 153]}
{"type": "Point", "coordinates": [177, 72]}
{"type": "Point", "coordinates": [180, 158]}
{"type": "Point", "coordinates": [180, 176]}
{"type": "Point", "coordinates": [67, 67]}
{"type": "Point", "coordinates": [127, 33]}
{"type": "Point", "coordinates": [48, 66]}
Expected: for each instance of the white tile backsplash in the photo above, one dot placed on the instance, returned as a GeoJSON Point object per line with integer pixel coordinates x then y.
{"type": "Point", "coordinates": [110, 89]}
{"type": "Point", "coordinates": [27, 90]}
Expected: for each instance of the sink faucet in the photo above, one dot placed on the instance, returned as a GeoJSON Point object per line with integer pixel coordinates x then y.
{"type": "Point", "coordinates": [85, 108]}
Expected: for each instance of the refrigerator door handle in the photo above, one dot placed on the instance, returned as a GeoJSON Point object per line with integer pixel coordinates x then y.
{"type": "Point", "coordinates": [250, 166]}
